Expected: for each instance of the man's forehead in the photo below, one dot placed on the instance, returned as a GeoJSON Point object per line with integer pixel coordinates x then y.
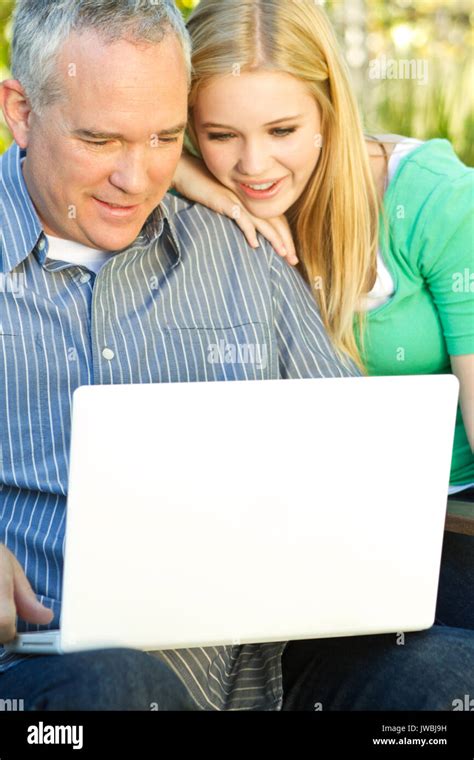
{"type": "Point", "coordinates": [123, 89]}
{"type": "Point", "coordinates": [87, 58]}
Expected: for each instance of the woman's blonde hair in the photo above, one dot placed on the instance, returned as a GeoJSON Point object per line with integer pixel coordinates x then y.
{"type": "Point", "coordinates": [335, 222]}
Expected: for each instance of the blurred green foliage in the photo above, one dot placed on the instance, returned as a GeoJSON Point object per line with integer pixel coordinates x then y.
{"type": "Point", "coordinates": [6, 7]}
{"type": "Point", "coordinates": [437, 35]}
{"type": "Point", "coordinates": [435, 31]}
{"type": "Point", "coordinates": [186, 6]}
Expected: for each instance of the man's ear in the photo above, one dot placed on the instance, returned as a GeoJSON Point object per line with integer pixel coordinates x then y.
{"type": "Point", "coordinates": [16, 110]}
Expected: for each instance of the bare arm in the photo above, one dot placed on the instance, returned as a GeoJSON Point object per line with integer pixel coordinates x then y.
{"type": "Point", "coordinates": [463, 368]}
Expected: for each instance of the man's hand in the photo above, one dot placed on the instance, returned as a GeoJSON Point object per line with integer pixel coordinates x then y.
{"type": "Point", "coordinates": [17, 597]}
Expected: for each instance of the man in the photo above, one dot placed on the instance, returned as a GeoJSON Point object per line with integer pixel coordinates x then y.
{"type": "Point", "coordinates": [102, 293]}
{"type": "Point", "coordinates": [108, 280]}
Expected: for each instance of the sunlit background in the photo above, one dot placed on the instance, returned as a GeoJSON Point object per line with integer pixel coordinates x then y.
{"type": "Point", "coordinates": [435, 35]}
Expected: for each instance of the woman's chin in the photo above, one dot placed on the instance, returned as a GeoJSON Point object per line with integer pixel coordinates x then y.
{"type": "Point", "coordinates": [267, 209]}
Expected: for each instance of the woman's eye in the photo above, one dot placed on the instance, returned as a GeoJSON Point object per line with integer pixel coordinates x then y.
{"type": "Point", "coordinates": [220, 136]}
{"type": "Point", "coordinates": [283, 132]}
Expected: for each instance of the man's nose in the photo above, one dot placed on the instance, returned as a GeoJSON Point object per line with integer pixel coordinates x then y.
{"type": "Point", "coordinates": [253, 161]}
{"type": "Point", "coordinates": [130, 173]}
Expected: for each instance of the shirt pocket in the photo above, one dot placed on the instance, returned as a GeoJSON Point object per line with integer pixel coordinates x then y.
{"type": "Point", "coordinates": [230, 352]}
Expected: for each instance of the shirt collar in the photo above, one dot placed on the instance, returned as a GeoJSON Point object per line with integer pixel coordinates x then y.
{"type": "Point", "coordinates": [161, 220]}
{"type": "Point", "coordinates": [22, 228]}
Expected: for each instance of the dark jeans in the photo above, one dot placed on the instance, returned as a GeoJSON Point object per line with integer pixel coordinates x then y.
{"type": "Point", "coordinates": [428, 670]}
{"type": "Point", "coordinates": [108, 679]}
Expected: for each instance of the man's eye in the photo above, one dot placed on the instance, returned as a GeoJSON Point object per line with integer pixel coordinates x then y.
{"type": "Point", "coordinates": [96, 142]}
{"type": "Point", "coordinates": [169, 139]}
{"type": "Point", "coordinates": [220, 136]}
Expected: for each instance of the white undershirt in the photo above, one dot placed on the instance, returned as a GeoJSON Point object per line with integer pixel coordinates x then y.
{"type": "Point", "coordinates": [384, 286]}
{"type": "Point", "coordinates": [76, 253]}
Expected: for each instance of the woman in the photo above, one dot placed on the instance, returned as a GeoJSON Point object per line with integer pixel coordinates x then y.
{"type": "Point", "coordinates": [380, 230]}
{"type": "Point", "coordinates": [390, 280]}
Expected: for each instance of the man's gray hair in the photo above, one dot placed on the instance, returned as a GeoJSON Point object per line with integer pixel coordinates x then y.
{"type": "Point", "coordinates": [41, 27]}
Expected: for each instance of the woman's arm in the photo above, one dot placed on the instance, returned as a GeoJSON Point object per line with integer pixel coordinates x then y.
{"type": "Point", "coordinates": [443, 250]}
{"type": "Point", "coordinates": [193, 180]}
{"type": "Point", "coordinates": [463, 368]}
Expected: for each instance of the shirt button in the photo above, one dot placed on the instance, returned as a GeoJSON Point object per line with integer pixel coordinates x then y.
{"type": "Point", "coordinates": [107, 353]}
{"type": "Point", "coordinates": [84, 278]}
{"type": "Point", "coordinates": [42, 244]}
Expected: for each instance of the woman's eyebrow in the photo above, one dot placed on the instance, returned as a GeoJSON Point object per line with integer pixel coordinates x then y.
{"type": "Point", "coordinates": [285, 118]}
{"type": "Point", "coordinates": [268, 124]}
{"type": "Point", "coordinates": [213, 124]}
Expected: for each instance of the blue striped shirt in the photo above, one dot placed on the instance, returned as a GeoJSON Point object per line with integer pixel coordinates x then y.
{"type": "Point", "coordinates": [187, 283]}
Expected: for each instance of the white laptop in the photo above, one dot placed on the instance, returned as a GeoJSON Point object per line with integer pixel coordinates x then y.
{"type": "Point", "coordinates": [205, 514]}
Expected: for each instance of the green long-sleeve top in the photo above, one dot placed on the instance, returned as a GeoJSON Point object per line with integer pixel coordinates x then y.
{"type": "Point", "coordinates": [429, 251]}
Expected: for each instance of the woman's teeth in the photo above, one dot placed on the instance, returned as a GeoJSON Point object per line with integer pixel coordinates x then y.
{"type": "Point", "coordinates": [267, 186]}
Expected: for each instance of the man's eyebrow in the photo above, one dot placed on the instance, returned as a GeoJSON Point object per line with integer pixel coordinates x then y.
{"type": "Point", "coordinates": [96, 134]}
{"type": "Point", "coordinates": [268, 124]}
{"type": "Point", "coordinates": [173, 130]}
